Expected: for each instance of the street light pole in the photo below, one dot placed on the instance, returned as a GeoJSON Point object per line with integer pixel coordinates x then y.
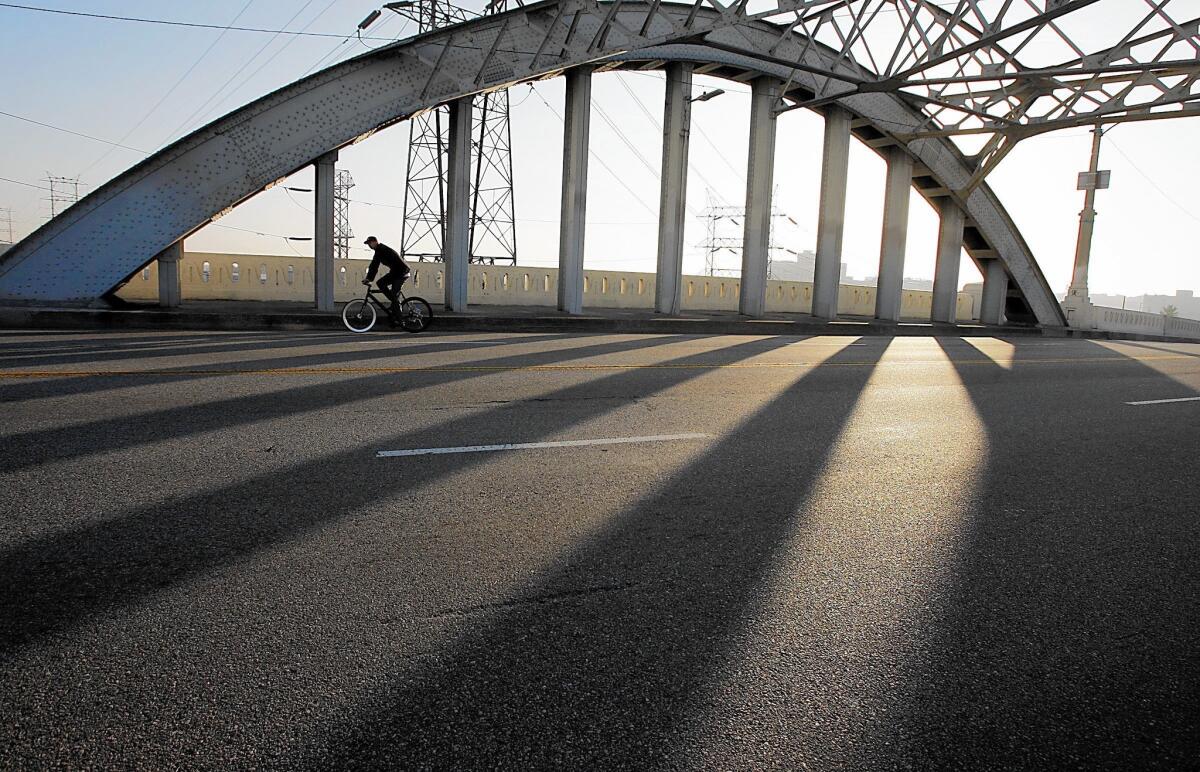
{"type": "Point", "coordinates": [1077, 303]}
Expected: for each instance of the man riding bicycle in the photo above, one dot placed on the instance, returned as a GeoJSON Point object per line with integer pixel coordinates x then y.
{"type": "Point", "coordinates": [398, 271]}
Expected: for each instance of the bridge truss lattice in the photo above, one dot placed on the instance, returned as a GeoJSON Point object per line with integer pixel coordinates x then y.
{"type": "Point", "coordinates": [944, 89]}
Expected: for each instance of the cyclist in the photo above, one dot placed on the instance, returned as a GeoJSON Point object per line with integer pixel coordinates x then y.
{"type": "Point", "coordinates": [398, 271]}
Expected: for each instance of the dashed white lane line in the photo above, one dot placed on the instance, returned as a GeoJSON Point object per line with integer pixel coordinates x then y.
{"type": "Point", "coordinates": [529, 445]}
{"type": "Point", "coordinates": [1164, 401]}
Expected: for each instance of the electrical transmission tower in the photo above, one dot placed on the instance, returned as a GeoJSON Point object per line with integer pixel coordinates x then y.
{"type": "Point", "coordinates": [493, 224]}
{"type": "Point", "coordinates": [719, 239]}
{"type": "Point", "coordinates": [342, 232]}
{"type": "Point", "coordinates": [6, 226]}
{"type": "Point", "coordinates": [64, 191]}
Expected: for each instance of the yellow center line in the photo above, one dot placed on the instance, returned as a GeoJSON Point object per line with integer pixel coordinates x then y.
{"type": "Point", "coordinates": [564, 368]}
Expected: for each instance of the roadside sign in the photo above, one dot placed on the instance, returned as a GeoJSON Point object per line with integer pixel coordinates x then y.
{"type": "Point", "coordinates": [1096, 181]}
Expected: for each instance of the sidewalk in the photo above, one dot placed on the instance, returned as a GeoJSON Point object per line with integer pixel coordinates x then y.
{"type": "Point", "coordinates": [250, 315]}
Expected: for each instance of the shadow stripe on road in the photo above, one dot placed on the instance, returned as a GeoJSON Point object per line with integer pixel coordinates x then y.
{"type": "Point", "coordinates": [555, 368]}
{"type": "Point", "coordinates": [59, 580]}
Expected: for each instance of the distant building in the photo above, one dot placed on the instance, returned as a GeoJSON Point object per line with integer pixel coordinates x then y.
{"type": "Point", "coordinates": [798, 266]}
{"type": "Point", "coordinates": [1185, 302]}
{"type": "Point", "coordinates": [1110, 301]}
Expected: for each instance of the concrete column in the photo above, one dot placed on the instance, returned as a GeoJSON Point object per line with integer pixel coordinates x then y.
{"type": "Point", "coordinates": [890, 287]}
{"type": "Point", "coordinates": [949, 256]}
{"type": "Point", "coordinates": [323, 231]}
{"type": "Point", "coordinates": [995, 293]}
{"type": "Point", "coordinates": [574, 189]}
{"type": "Point", "coordinates": [458, 200]}
{"type": "Point", "coordinates": [169, 293]}
{"type": "Point", "coordinates": [672, 202]}
{"type": "Point", "coordinates": [831, 222]}
{"type": "Point", "coordinates": [759, 170]}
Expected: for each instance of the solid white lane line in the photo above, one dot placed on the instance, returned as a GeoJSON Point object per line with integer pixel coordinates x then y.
{"type": "Point", "coordinates": [528, 445]}
{"type": "Point", "coordinates": [1164, 401]}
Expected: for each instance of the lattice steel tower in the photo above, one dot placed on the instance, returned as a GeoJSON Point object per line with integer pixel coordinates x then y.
{"type": "Point", "coordinates": [716, 239]}
{"type": "Point", "coordinates": [64, 191]}
{"type": "Point", "coordinates": [493, 224]}
{"type": "Point", "coordinates": [342, 232]}
{"type": "Point", "coordinates": [6, 226]}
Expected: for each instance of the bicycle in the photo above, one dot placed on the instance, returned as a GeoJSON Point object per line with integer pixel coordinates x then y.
{"type": "Point", "coordinates": [359, 315]}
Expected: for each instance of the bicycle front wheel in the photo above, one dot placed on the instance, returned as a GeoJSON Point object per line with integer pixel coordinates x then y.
{"type": "Point", "coordinates": [415, 314]}
{"type": "Point", "coordinates": [359, 315]}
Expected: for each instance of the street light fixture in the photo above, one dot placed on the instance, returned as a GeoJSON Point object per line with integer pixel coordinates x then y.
{"type": "Point", "coordinates": [371, 17]}
{"type": "Point", "coordinates": [707, 95]}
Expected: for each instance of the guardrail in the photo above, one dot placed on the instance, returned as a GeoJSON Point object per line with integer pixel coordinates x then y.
{"type": "Point", "coordinates": [211, 276]}
{"type": "Point", "coordinates": [1144, 322]}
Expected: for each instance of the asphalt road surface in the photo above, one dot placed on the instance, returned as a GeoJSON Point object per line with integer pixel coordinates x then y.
{"type": "Point", "coordinates": [811, 553]}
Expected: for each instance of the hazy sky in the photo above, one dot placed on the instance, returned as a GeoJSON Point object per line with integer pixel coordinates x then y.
{"type": "Point", "coordinates": [145, 85]}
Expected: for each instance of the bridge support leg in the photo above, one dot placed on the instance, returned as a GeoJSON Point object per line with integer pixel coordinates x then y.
{"type": "Point", "coordinates": [759, 178]}
{"type": "Point", "coordinates": [458, 213]}
{"type": "Point", "coordinates": [574, 189]}
{"type": "Point", "coordinates": [169, 293]}
{"type": "Point", "coordinates": [890, 288]}
{"type": "Point", "coordinates": [949, 256]}
{"type": "Point", "coordinates": [323, 231]}
{"type": "Point", "coordinates": [995, 293]}
{"type": "Point", "coordinates": [677, 125]}
{"type": "Point", "coordinates": [831, 221]}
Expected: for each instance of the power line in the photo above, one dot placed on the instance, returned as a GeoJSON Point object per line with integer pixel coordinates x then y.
{"type": "Point", "coordinates": [272, 57]}
{"type": "Point", "coordinates": [76, 133]}
{"type": "Point", "coordinates": [26, 184]}
{"type": "Point", "coordinates": [520, 219]}
{"type": "Point", "coordinates": [170, 23]}
{"type": "Point", "coordinates": [1153, 184]}
{"type": "Point", "coordinates": [173, 88]}
{"type": "Point", "coordinates": [658, 125]}
{"type": "Point", "coordinates": [600, 160]}
{"type": "Point", "coordinates": [206, 103]}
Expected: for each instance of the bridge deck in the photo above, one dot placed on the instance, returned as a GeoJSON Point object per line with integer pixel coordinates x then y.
{"type": "Point", "coordinates": [881, 552]}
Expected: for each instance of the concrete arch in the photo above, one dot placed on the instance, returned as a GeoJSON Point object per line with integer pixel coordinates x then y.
{"type": "Point", "coordinates": [121, 226]}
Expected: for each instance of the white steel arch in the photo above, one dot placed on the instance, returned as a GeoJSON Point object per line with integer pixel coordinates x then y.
{"type": "Point", "coordinates": [121, 226]}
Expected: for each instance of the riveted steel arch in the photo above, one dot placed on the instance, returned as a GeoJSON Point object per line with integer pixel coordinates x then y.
{"type": "Point", "coordinates": [121, 226]}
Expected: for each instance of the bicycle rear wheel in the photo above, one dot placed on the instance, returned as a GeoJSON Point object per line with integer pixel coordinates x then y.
{"type": "Point", "coordinates": [359, 315]}
{"type": "Point", "coordinates": [415, 314]}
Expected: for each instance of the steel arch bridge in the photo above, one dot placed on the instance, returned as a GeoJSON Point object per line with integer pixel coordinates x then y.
{"type": "Point", "coordinates": [905, 76]}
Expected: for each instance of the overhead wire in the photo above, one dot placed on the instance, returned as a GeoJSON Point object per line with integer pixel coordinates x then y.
{"type": "Point", "coordinates": [246, 80]}
{"type": "Point", "coordinates": [171, 90]}
{"type": "Point", "coordinates": [1153, 184]}
{"type": "Point", "coordinates": [520, 219]}
{"type": "Point", "coordinates": [26, 184]}
{"type": "Point", "coordinates": [172, 23]}
{"type": "Point", "coordinates": [658, 125]}
{"type": "Point", "coordinates": [206, 103]}
{"type": "Point", "coordinates": [600, 160]}
{"type": "Point", "coordinates": [357, 35]}
{"type": "Point", "coordinates": [76, 133]}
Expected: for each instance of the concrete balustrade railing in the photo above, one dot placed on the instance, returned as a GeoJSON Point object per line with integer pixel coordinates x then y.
{"type": "Point", "coordinates": [1143, 322]}
{"type": "Point", "coordinates": [211, 276]}
{"type": "Point", "coordinates": [1182, 328]}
